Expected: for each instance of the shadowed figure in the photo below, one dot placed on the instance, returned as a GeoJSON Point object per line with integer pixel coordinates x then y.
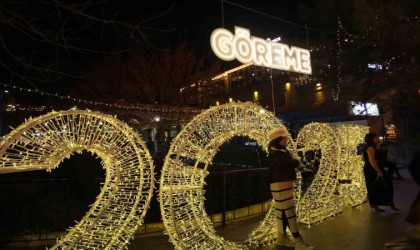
{"type": "Point", "coordinates": [383, 160]}
{"type": "Point", "coordinates": [379, 184]}
{"type": "Point", "coordinates": [412, 240]}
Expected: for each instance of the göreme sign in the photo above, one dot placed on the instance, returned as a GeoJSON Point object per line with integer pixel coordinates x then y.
{"type": "Point", "coordinates": [249, 49]}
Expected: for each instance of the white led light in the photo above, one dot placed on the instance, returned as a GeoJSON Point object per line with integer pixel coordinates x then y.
{"type": "Point", "coordinates": [44, 142]}
{"type": "Point", "coordinates": [185, 168]}
{"type": "Point", "coordinates": [191, 152]}
{"type": "Point", "coordinates": [339, 182]}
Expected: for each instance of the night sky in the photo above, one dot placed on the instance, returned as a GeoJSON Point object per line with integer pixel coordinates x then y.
{"type": "Point", "coordinates": [197, 19]}
{"type": "Point", "coordinates": [188, 19]}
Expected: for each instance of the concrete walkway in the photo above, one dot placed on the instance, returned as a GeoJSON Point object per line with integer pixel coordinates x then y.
{"type": "Point", "coordinates": [357, 228]}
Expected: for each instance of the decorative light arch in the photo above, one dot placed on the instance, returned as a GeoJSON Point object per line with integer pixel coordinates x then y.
{"type": "Point", "coordinates": [182, 179]}
{"type": "Point", "coordinates": [42, 143]}
{"type": "Point", "coordinates": [339, 182]}
{"type": "Point", "coordinates": [352, 185]}
{"type": "Point", "coordinates": [317, 202]}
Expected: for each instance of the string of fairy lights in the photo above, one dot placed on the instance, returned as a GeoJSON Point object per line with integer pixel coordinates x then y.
{"type": "Point", "coordinates": [42, 143]}
{"type": "Point", "coordinates": [96, 103]}
{"type": "Point", "coordinates": [367, 37]}
{"type": "Point", "coordinates": [335, 90]}
{"type": "Point", "coordinates": [349, 38]}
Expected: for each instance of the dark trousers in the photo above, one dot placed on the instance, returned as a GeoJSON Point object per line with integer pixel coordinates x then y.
{"type": "Point", "coordinates": [378, 196]}
{"type": "Point", "coordinates": [392, 168]}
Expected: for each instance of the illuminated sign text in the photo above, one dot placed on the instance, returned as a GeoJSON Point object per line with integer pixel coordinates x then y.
{"type": "Point", "coordinates": [248, 49]}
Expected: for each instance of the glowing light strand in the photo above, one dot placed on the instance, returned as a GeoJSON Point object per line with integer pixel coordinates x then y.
{"type": "Point", "coordinates": [339, 182]}
{"type": "Point", "coordinates": [335, 91]}
{"type": "Point", "coordinates": [182, 180]}
{"type": "Point", "coordinates": [42, 143]}
{"type": "Point", "coordinates": [132, 107]}
{"type": "Point", "coordinates": [352, 186]}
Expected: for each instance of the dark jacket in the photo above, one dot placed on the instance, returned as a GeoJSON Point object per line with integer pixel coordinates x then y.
{"type": "Point", "coordinates": [282, 165]}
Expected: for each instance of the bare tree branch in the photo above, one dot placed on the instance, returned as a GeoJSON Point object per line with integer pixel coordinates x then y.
{"type": "Point", "coordinates": [32, 31]}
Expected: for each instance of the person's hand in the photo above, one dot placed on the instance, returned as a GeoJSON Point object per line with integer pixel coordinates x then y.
{"type": "Point", "coordinates": [301, 167]}
{"type": "Point", "coordinates": [380, 174]}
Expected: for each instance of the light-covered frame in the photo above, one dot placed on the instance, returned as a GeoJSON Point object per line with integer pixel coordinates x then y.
{"type": "Point", "coordinates": [185, 168]}
{"type": "Point", "coordinates": [42, 143]}
{"type": "Point", "coordinates": [339, 182]}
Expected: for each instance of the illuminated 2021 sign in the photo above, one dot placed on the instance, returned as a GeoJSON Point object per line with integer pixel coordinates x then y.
{"type": "Point", "coordinates": [43, 142]}
{"type": "Point", "coordinates": [250, 49]}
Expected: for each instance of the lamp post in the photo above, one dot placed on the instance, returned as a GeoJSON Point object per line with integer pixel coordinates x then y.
{"type": "Point", "coordinates": [1, 95]}
{"type": "Point", "coordinates": [2, 109]}
{"type": "Point", "coordinates": [1, 99]}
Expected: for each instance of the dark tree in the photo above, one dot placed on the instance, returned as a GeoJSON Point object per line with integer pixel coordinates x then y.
{"type": "Point", "coordinates": [44, 41]}
{"type": "Point", "coordinates": [376, 43]}
{"type": "Point", "coordinates": [152, 77]}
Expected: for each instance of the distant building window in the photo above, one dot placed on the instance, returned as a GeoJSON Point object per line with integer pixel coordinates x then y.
{"type": "Point", "coordinates": [375, 66]}
{"type": "Point", "coordinates": [360, 108]}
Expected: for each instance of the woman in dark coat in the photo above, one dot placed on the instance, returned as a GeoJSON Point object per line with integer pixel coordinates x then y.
{"type": "Point", "coordinates": [378, 195]}
{"type": "Point", "coordinates": [282, 173]}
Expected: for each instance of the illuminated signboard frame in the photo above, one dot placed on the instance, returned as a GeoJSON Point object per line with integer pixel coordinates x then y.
{"type": "Point", "coordinates": [361, 108]}
{"type": "Point", "coordinates": [249, 49]}
{"type": "Point", "coordinates": [390, 132]}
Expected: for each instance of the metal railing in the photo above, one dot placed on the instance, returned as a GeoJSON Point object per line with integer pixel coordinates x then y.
{"type": "Point", "coordinates": [262, 172]}
{"type": "Point", "coordinates": [40, 208]}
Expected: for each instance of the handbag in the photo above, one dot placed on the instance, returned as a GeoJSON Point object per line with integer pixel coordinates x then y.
{"type": "Point", "coordinates": [379, 182]}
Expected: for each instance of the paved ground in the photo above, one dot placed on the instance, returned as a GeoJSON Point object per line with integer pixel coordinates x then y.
{"type": "Point", "coordinates": [355, 229]}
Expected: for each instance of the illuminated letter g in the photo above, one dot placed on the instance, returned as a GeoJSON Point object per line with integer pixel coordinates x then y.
{"type": "Point", "coordinates": [221, 44]}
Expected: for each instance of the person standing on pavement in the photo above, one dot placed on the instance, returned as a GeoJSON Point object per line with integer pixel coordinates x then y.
{"type": "Point", "coordinates": [412, 238]}
{"type": "Point", "coordinates": [383, 158]}
{"type": "Point", "coordinates": [374, 174]}
{"type": "Point", "coordinates": [414, 169]}
{"type": "Point", "coordinates": [282, 168]}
